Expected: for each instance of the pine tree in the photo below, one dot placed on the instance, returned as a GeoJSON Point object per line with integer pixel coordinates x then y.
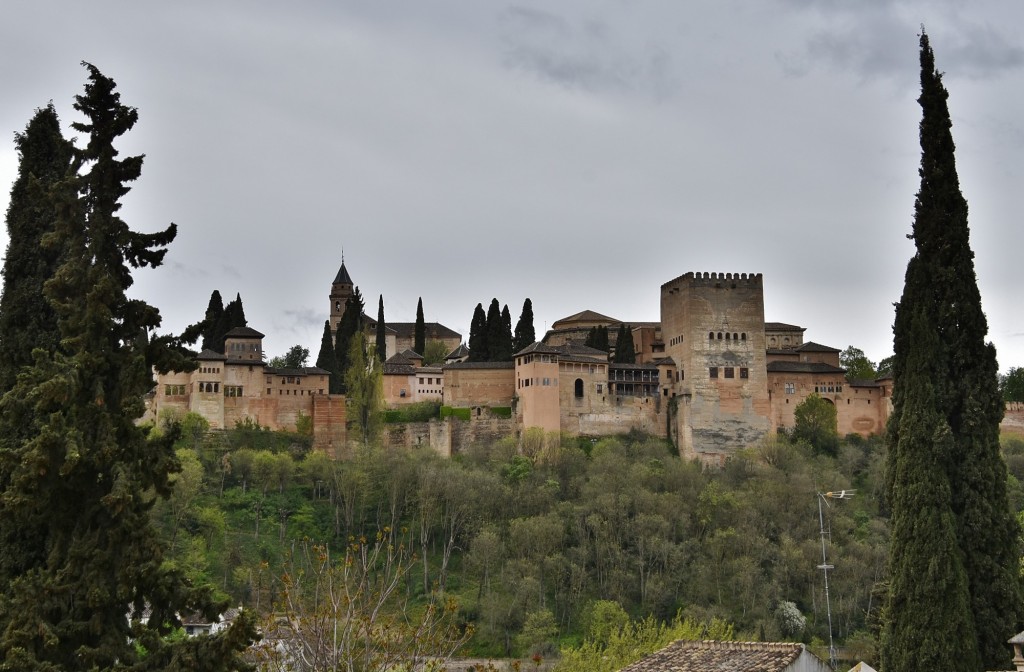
{"type": "Point", "coordinates": [525, 333]}
{"type": "Point", "coordinates": [420, 332]}
{"type": "Point", "coordinates": [79, 489]}
{"type": "Point", "coordinates": [925, 566]}
{"type": "Point", "coordinates": [625, 351]}
{"type": "Point", "coordinates": [382, 343]}
{"type": "Point", "coordinates": [478, 351]}
{"type": "Point", "coordinates": [27, 320]}
{"type": "Point", "coordinates": [940, 284]}
{"type": "Point", "coordinates": [211, 320]}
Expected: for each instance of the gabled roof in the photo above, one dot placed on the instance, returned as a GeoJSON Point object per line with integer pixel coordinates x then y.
{"type": "Point", "coordinates": [433, 330]}
{"type": "Point", "coordinates": [210, 355]}
{"type": "Point", "coordinates": [398, 365]}
{"type": "Point", "coordinates": [300, 371]}
{"type": "Point", "coordinates": [243, 332]}
{"type": "Point", "coordinates": [803, 367]}
{"type": "Point", "coordinates": [538, 348]}
{"type": "Point", "coordinates": [409, 353]}
{"type": "Point", "coordinates": [811, 346]}
{"type": "Point", "coordinates": [343, 278]}
{"type": "Point", "coordinates": [478, 365]}
{"type": "Point", "coordinates": [782, 326]}
{"type": "Point", "coordinates": [711, 656]}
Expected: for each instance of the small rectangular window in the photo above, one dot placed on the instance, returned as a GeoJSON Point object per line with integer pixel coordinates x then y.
{"type": "Point", "coordinates": [729, 372]}
{"type": "Point", "coordinates": [744, 372]}
{"type": "Point", "coordinates": [713, 372]}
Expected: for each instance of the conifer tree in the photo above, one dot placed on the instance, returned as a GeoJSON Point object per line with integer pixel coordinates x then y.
{"type": "Point", "coordinates": [525, 333]}
{"type": "Point", "coordinates": [478, 351]}
{"type": "Point", "coordinates": [211, 321]}
{"type": "Point", "coordinates": [941, 286]}
{"type": "Point", "coordinates": [494, 331]}
{"type": "Point", "coordinates": [420, 331]}
{"type": "Point", "coordinates": [925, 566]}
{"type": "Point", "coordinates": [76, 493]}
{"type": "Point", "coordinates": [382, 343]}
{"type": "Point", "coordinates": [625, 352]}
{"type": "Point", "coordinates": [500, 342]}
{"type": "Point", "coordinates": [325, 359]}
{"type": "Point", "coordinates": [351, 324]}
{"type": "Point", "coordinates": [27, 320]}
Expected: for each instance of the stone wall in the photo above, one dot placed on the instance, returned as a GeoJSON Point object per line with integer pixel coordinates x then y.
{"type": "Point", "coordinates": [450, 435]}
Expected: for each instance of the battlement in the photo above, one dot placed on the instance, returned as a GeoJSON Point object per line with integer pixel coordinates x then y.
{"type": "Point", "coordinates": [705, 279]}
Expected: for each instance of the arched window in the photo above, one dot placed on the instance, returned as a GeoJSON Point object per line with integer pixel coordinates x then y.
{"type": "Point", "coordinates": [727, 336]}
{"type": "Point", "coordinates": [734, 337]}
{"type": "Point", "coordinates": [711, 335]}
{"type": "Point", "coordinates": [743, 336]}
{"type": "Point", "coordinates": [719, 335]}
{"type": "Point", "coordinates": [579, 388]}
{"type": "Point", "coordinates": [337, 306]}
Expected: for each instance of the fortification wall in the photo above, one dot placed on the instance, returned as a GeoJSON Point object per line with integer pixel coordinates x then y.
{"type": "Point", "coordinates": [449, 436]}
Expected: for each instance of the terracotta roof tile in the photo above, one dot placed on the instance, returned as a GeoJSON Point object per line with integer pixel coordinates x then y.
{"type": "Point", "coordinates": [712, 656]}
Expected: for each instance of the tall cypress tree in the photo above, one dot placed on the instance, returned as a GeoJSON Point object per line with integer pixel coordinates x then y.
{"type": "Point", "coordinates": [211, 321]}
{"type": "Point", "coordinates": [495, 327]}
{"type": "Point", "coordinates": [79, 489]}
{"type": "Point", "coordinates": [325, 359]}
{"type": "Point", "coordinates": [420, 331]}
{"type": "Point", "coordinates": [525, 333]}
{"type": "Point", "coordinates": [940, 284]}
{"type": "Point", "coordinates": [27, 320]}
{"type": "Point", "coordinates": [625, 351]}
{"type": "Point", "coordinates": [382, 343]}
{"type": "Point", "coordinates": [478, 351]}
{"type": "Point", "coordinates": [926, 568]}
{"type": "Point", "coordinates": [351, 323]}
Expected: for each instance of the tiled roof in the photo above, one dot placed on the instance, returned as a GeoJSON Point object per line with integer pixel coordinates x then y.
{"type": "Point", "coordinates": [577, 349]}
{"type": "Point", "coordinates": [243, 332]}
{"type": "Point", "coordinates": [433, 330]}
{"type": "Point", "coordinates": [803, 367]}
{"type": "Point", "coordinates": [479, 365]}
{"type": "Point", "coordinates": [210, 355]}
{"type": "Point", "coordinates": [665, 361]}
{"type": "Point", "coordinates": [461, 351]}
{"type": "Point", "coordinates": [863, 382]}
{"type": "Point", "coordinates": [409, 353]}
{"type": "Point", "coordinates": [343, 278]}
{"type": "Point", "coordinates": [782, 326]}
{"type": "Point", "coordinates": [711, 656]}
{"type": "Point", "coordinates": [538, 348]}
{"type": "Point", "coordinates": [811, 346]}
{"type": "Point", "coordinates": [301, 371]}
{"type": "Point", "coordinates": [634, 367]}
{"type": "Point", "coordinates": [586, 316]}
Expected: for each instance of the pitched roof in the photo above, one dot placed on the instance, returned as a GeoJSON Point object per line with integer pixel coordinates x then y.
{"type": "Point", "coordinates": [711, 656]}
{"type": "Point", "coordinates": [479, 365]}
{"type": "Point", "coordinates": [210, 355]}
{"type": "Point", "coordinates": [433, 330]}
{"type": "Point", "coordinates": [585, 316]}
{"type": "Point", "coordinates": [811, 346]}
{"type": "Point", "coordinates": [343, 278]}
{"type": "Point", "coordinates": [411, 354]}
{"type": "Point", "coordinates": [243, 332]}
{"type": "Point", "coordinates": [300, 371]}
{"type": "Point", "coordinates": [538, 347]}
{"type": "Point", "coordinates": [803, 367]}
{"type": "Point", "coordinates": [399, 365]}
{"type": "Point", "coordinates": [461, 351]}
{"type": "Point", "coordinates": [782, 326]}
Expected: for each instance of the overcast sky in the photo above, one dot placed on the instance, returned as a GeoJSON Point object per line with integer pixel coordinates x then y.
{"type": "Point", "coordinates": [578, 153]}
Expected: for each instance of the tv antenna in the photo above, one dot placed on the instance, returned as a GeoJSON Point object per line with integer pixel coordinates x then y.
{"type": "Point", "coordinates": [823, 498]}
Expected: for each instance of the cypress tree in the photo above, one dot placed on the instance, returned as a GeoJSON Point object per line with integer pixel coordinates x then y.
{"type": "Point", "coordinates": [211, 321]}
{"type": "Point", "coordinates": [351, 323]}
{"type": "Point", "coordinates": [525, 333]}
{"type": "Point", "coordinates": [420, 332]}
{"type": "Point", "coordinates": [940, 284]}
{"type": "Point", "coordinates": [501, 346]}
{"type": "Point", "coordinates": [78, 490]}
{"type": "Point", "coordinates": [27, 320]}
{"type": "Point", "coordinates": [478, 351]}
{"type": "Point", "coordinates": [625, 351]}
{"type": "Point", "coordinates": [494, 328]}
{"type": "Point", "coordinates": [382, 343]}
{"type": "Point", "coordinates": [325, 359]}
{"type": "Point", "coordinates": [928, 622]}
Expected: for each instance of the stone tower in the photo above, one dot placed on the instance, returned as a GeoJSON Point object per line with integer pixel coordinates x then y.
{"type": "Point", "coordinates": [713, 328]}
{"type": "Point", "coordinates": [341, 290]}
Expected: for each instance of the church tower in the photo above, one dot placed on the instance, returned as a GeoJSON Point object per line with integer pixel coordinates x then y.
{"type": "Point", "coordinates": [341, 290]}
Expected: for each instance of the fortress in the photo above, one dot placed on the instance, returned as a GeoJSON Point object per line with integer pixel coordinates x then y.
{"type": "Point", "coordinates": [711, 375]}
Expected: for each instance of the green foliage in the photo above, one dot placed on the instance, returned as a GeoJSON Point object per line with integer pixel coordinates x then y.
{"type": "Point", "coordinates": [78, 549]}
{"type": "Point", "coordinates": [625, 349]}
{"type": "Point", "coordinates": [326, 359]}
{"type": "Point", "coordinates": [349, 326]}
{"type": "Point", "coordinates": [539, 633]}
{"type": "Point", "coordinates": [1011, 385]}
{"type": "Point", "coordinates": [499, 334]}
{"type": "Point", "coordinates": [420, 332]}
{"type": "Point", "coordinates": [382, 343]}
{"type": "Point", "coordinates": [365, 392]}
{"type": "Point", "coordinates": [857, 365]}
{"type": "Point", "coordinates": [457, 413]}
{"type": "Point", "coordinates": [815, 423]}
{"type": "Point", "coordinates": [27, 320]}
{"type": "Point", "coordinates": [597, 338]}
{"type": "Point", "coordinates": [212, 321]}
{"type": "Point", "coordinates": [940, 319]}
{"type": "Point", "coordinates": [295, 358]}
{"type": "Point", "coordinates": [421, 411]}
{"type": "Point", "coordinates": [525, 334]}
{"type": "Point", "coordinates": [435, 352]}
{"type": "Point", "coordinates": [501, 411]}
{"type": "Point", "coordinates": [636, 640]}
{"type": "Point", "coordinates": [478, 336]}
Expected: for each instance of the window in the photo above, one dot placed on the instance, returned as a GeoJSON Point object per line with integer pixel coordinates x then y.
{"type": "Point", "coordinates": [268, 391]}
{"type": "Point", "coordinates": [744, 372]}
{"type": "Point", "coordinates": [790, 388]}
{"type": "Point", "coordinates": [711, 336]}
{"type": "Point", "coordinates": [730, 372]}
{"type": "Point", "coordinates": [713, 372]}
{"type": "Point", "coordinates": [232, 390]}
{"type": "Point", "coordinates": [421, 381]}
{"type": "Point", "coordinates": [600, 388]}
{"type": "Point", "coordinates": [579, 388]}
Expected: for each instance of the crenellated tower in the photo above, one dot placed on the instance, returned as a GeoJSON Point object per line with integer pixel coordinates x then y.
{"type": "Point", "coordinates": [713, 328]}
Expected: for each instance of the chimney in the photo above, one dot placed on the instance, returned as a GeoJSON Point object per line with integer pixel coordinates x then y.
{"type": "Point", "coordinates": [1018, 656]}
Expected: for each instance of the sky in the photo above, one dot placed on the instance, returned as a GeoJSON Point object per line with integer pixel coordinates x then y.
{"type": "Point", "coordinates": [579, 153]}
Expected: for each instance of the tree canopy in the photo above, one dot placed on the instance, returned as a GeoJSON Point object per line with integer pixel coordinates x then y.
{"type": "Point", "coordinates": [524, 333]}
{"type": "Point", "coordinates": [857, 365]}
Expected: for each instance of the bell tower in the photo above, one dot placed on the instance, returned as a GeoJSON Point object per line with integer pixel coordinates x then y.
{"type": "Point", "coordinates": [341, 290]}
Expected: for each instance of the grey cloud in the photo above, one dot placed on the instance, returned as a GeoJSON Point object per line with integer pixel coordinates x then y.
{"type": "Point", "coordinates": [582, 53]}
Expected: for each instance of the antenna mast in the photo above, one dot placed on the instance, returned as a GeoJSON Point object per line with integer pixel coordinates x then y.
{"type": "Point", "coordinates": [824, 566]}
